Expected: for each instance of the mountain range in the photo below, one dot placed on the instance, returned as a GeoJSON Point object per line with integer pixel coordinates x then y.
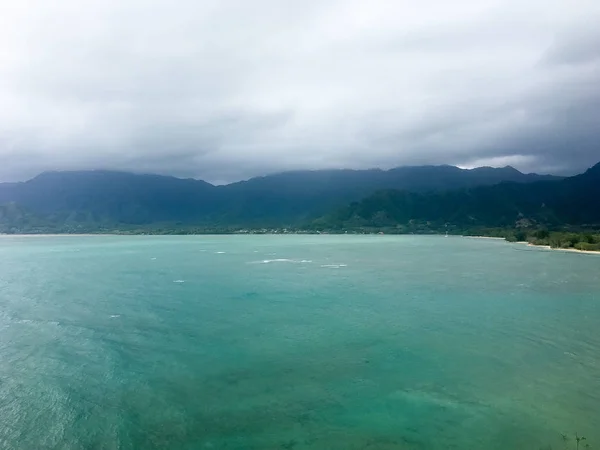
{"type": "Point", "coordinates": [92, 200]}
{"type": "Point", "coordinates": [558, 204]}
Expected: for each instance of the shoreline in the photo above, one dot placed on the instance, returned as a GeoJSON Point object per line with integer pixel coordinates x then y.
{"type": "Point", "coordinates": [569, 250]}
{"type": "Point", "coordinates": [528, 244]}
{"type": "Point", "coordinates": [545, 247]}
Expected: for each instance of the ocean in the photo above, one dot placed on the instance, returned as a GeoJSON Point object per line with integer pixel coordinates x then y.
{"type": "Point", "coordinates": [296, 342]}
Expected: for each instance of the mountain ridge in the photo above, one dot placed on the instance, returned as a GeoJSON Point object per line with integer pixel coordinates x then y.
{"type": "Point", "coordinates": [510, 168]}
{"type": "Point", "coordinates": [573, 201]}
{"type": "Point", "coordinates": [112, 198]}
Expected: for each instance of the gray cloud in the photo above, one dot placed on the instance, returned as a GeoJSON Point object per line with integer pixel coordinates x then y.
{"type": "Point", "coordinates": [225, 90]}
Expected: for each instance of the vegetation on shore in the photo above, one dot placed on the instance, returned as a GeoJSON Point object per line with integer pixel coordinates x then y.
{"type": "Point", "coordinates": [588, 240]}
{"type": "Point", "coordinates": [576, 239]}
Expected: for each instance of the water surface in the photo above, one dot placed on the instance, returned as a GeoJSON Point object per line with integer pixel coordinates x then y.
{"type": "Point", "coordinates": [296, 342]}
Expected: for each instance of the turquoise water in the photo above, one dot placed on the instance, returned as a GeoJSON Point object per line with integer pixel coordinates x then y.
{"type": "Point", "coordinates": [296, 342]}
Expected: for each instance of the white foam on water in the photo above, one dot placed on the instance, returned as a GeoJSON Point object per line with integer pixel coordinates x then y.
{"type": "Point", "coordinates": [219, 253]}
{"type": "Point", "coordinates": [114, 316]}
{"type": "Point", "coordinates": [334, 266]}
{"type": "Point", "coordinates": [152, 259]}
{"type": "Point", "coordinates": [46, 322]}
{"type": "Point", "coordinates": [178, 281]}
{"type": "Point", "coordinates": [285, 260]}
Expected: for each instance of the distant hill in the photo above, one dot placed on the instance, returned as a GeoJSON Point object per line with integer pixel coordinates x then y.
{"type": "Point", "coordinates": [85, 200]}
{"type": "Point", "coordinates": [13, 215]}
{"type": "Point", "coordinates": [112, 196]}
{"type": "Point", "coordinates": [295, 196]}
{"type": "Point", "coordinates": [571, 201]}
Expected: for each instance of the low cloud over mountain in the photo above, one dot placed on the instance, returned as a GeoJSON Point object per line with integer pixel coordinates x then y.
{"type": "Point", "coordinates": [226, 90]}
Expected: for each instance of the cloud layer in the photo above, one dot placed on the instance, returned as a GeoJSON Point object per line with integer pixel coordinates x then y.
{"type": "Point", "coordinates": [227, 89]}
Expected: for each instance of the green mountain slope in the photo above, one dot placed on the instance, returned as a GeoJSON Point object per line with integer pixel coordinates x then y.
{"type": "Point", "coordinates": [90, 200]}
{"type": "Point", "coordinates": [295, 196]}
{"type": "Point", "coordinates": [572, 201]}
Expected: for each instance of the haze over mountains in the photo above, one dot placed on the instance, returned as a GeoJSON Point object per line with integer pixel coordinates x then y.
{"type": "Point", "coordinates": [94, 200]}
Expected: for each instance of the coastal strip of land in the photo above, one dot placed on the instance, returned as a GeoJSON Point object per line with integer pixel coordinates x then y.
{"type": "Point", "coordinates": [564, 242]}
{"type": "Point", "coordinates": [570, 250]}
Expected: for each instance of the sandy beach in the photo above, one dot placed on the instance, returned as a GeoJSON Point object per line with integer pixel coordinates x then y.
{"type": "Point", "coordinates": [545, 247]}
{"type": "Point", "coordinates": [571, 250]}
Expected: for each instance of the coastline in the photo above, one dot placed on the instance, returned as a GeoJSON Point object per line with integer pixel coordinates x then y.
{"type": "Point", "coordinates": [545, 247]}
{"type": "Point", "coordinates": [528, 244]}
{"type": "Point", "coordinates": [570, 250]}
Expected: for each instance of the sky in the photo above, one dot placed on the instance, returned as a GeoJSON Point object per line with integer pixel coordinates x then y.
{"type": "Point", "coordinates": [224, 90]}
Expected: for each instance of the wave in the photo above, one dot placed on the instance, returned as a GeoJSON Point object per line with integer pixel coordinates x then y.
{"type": "Point", "coordinates": [284, 260]}
{"type": "Point", "coordinates": [46, 322]}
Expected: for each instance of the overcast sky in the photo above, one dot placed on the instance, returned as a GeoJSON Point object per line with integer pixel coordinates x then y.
{"type": "Point", "coordinates": [228, 89]}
